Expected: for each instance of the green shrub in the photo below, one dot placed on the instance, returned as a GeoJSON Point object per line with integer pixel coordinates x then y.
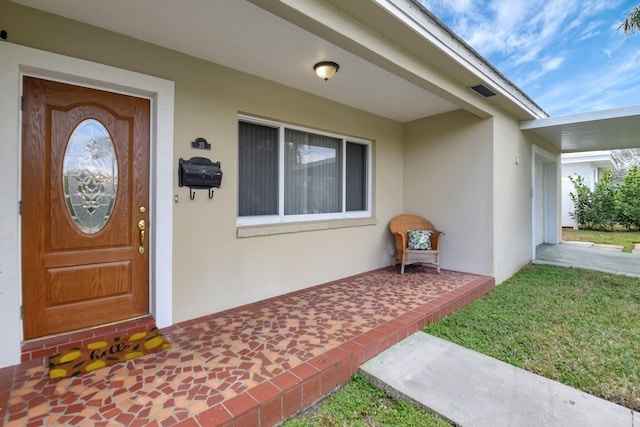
{"type": "Point", "coordinates": [604, 210]}
{"type": "Point", "coordinates": [609, 203]}
{"type": "Point", "coordinates": [628, 199]}
{"type": "Point", "coordinates": [581, 202]}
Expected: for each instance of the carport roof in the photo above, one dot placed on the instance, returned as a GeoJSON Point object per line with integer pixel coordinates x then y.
{"type": "Point", "coordinates": [600, 130]}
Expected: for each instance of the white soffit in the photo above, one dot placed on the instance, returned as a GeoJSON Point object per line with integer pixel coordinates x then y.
{"type": "Point", "coordinates": [601, 130]}
{"type": "Point", "coordinates": [242, 36]}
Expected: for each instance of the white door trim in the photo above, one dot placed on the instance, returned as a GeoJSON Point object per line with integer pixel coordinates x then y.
{"type": "Point", "coordinates": [18, 61]}
{"type": "Point", "coordinates": [539, 192]}
{"type": "Point", "coordinates": [551, 196]}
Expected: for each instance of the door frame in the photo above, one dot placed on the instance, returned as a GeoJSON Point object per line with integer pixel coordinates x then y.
{"type": "Point", "coordinates": [19, 61]}
{"type": "Point", "coordinates": [551, 196]}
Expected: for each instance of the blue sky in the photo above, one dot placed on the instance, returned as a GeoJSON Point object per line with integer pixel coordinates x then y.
{"type": "Point", "coordinates": [565, 54]}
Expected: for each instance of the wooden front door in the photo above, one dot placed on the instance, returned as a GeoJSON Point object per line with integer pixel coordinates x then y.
{"type": "Point", "coordinates": [85, 194]}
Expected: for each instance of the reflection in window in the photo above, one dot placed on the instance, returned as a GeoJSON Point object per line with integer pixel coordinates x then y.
{"type": "Point", "coordinates": [312, 173]}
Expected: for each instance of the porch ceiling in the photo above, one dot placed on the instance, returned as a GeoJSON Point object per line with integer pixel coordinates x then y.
{"type": "Point", "coordinates": [242, 36]}
{"type": "Point", "coordinates": [601, 130]}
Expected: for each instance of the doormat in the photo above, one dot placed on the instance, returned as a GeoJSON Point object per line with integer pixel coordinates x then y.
{"type": "Point", "coordinates": [96, 355]}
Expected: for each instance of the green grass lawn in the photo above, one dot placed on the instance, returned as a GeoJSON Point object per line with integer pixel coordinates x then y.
{"type": "Point", "coordinates": [361, 404]}
{"type": "Point", "coordinates": [575, 326]}
{"type": "Point", "coordinates": [624, 238]}
{"type": "Point", "coordinates": [579, 327]}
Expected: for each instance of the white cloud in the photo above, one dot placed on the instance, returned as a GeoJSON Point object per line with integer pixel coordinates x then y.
{"type": "Point", "coordinates": [593, 90]}
{"type": "Point", "coordinates": [506, 26]}
{"type": "Point", "coordinates": [566, 54]}
{"type": "Point", "coordinates": [591, 30]}
{"type": "Point", "coordinates": [458, 6]}
{"type": "Point", "coordinates": [553, 64]}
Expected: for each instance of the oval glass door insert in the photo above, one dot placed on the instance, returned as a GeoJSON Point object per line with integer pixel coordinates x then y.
{"type": "Point", "coordinates": [90, 176]}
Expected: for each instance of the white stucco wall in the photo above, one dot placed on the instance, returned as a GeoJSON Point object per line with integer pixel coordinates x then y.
{"type": "Point", "coordinates": [512, 202]}
{"type": "Point", "coordinates": [457, 169]}
{"type": "Point", "coordinates": [10, 333]}
{"type": "Point", "coordinates": [515, 154]}
{"type": "Point", "coordinates": [583, 169]}
{"type": "Point", "coordinates": [473, 178]}
{"type": "Point", "coordinates": [448, 179]}
{"type": "Point", "coordinates": [209, 268]}
{"type": "Point", "coordinates": [234, 271]}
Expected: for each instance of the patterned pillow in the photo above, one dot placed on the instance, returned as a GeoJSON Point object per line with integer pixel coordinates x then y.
{"type": "Point", "coordinates": [419, 239]}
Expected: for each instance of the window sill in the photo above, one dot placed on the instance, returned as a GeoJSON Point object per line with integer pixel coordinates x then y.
{"type": "Point", "coordinates": [299, 227]}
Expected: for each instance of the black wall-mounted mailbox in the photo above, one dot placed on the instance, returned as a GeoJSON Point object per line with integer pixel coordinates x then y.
{"type": "Point", "coordinates": [199, 173]}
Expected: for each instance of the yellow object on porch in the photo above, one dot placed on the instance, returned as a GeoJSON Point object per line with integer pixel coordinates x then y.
{"type": "Point", "coordinates": [98, 354]}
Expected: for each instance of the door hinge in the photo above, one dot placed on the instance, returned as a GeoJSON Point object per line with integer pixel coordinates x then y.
{"type": "Point", "coordinates": [22, 312]}
{"type": "Point", "coordinates": [22, 103]}
{"type": "Point", "coordinates": [20, 208]}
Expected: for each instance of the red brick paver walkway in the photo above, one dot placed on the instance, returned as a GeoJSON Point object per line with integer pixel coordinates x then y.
{"type": "Point", "coordinates": [251, 366]}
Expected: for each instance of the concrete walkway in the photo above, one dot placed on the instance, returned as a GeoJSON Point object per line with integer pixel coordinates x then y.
{"type": "Point", "coordinates": [590, 257]}
{"type": "Point", "coordinates": [471, 389]}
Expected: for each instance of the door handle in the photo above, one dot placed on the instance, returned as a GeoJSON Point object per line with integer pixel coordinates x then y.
{"type": "Point", "coordinates": [142, 226]}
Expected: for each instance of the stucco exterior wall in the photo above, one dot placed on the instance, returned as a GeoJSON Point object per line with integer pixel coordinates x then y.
{"type": "Point", "coordinates": [471, 176]}
{"type": "Point", "coordinates": [584, 169]}
{"type": "Point", "coordinates": [448, 178]}
{"type": "Point", "coordinates": [213, 269]}
{"type": "Point", "coordinates": [591, 174]}
{"type": "Point", "coordinates": [234, 270]}
{"type": "Point", "coordinates": [512, 182]}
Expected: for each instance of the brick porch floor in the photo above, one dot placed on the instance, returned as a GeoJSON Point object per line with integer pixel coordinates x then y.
{"type": "Point", "coordinates": [254, 365]}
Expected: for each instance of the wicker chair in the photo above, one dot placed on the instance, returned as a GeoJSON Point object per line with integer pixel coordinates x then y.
{"type": "Point", "coordinates": [399, 226]}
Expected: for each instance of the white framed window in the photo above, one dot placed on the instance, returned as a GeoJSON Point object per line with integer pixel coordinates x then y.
{"type": "Point", "coordinates": [291, 174]}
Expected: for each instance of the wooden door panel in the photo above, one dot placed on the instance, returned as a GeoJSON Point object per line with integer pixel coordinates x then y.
{"type": "Point", "coordinates": [64, 234]}
{"type": "Point", "coordinates": [69, 284]}
{"type": "Point", "coordinates": [89, 313]}
{"type": "Point", "coordinates": [56, 259]}
{"type": "Point", "coordinates": [73, 276]}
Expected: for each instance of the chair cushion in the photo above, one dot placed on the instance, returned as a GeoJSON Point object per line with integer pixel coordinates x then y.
{"type": "Point", "coordinates": [419, 239]}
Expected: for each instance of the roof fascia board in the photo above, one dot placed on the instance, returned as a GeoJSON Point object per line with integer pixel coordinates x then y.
{"type": "Point", "coordinates": [583, 159]}
{"type": "Point", "coordinates": [429, 27]}
{"type": "Point", "coordinates": [584, 132]}
{"type": "Point", "coordinates": [598, 159]}
{"type": "Point", "coordinates": [591, 160]}
{"type": "Point", "coordinates": [548, 122]}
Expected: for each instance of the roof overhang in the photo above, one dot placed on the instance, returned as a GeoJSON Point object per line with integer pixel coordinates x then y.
{"type": "Point", "coordinates": [395, 59]}
{"type": "Point", "coordinates": [599, 159]}
{"type": "Point", "coordinates": [601, 130]}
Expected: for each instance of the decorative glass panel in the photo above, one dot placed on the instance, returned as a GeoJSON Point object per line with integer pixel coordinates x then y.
{"type": "Point", "coordinates": [90, 176]}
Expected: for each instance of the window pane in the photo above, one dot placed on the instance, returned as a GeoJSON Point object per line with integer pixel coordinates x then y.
{"type": "Point", "coordinates": [356, 177]}
{"type": "Point", "coordinates": [258, 169]}
{"type": "Point", "coordinates": [313, 173]}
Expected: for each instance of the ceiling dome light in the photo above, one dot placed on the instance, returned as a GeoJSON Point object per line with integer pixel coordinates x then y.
{"type": "Point", "coordinates": [326, 69]}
